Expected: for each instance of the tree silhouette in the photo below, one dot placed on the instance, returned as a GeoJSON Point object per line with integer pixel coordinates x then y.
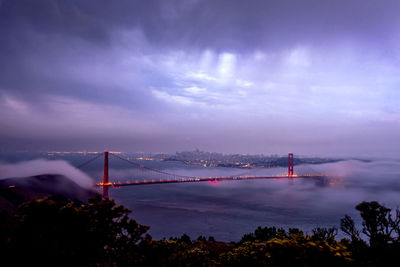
{"type": "Point", "coordinates": [348, 227]}
{"type": "Point", "coordinates": [378, 224]}
{"type": "Point", "coordinates": [58, 232]}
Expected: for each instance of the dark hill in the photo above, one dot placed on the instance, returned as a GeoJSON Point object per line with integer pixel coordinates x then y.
{"type": "Point", "coordinates": [15, 191]}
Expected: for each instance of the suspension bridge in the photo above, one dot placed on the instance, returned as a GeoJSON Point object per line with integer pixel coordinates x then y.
{"type": "Point", "coordinates": [151, 176]}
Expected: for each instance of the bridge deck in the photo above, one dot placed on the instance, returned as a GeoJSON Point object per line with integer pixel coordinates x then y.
{"type": "Point", "coordinates": [206, 179]}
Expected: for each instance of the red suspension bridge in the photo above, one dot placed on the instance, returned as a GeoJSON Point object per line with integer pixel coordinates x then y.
{"type": "Point", "coordinates": [156, 176]}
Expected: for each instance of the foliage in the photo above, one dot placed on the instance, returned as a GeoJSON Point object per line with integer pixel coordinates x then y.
{"type": "Point", "coordinates": [324, 234]}
{"type": "Point", "coordinates": [265, 234]}
{"type": "Point", "coordinates": [380, 228]}
{"type": "Point", "coordinates": [58, 232]}
{"type": "Point", "coordinates": [348, 227]}
{"type": "Point", "coordinates": [296, 250]}
{"type": "Point", "coordinates": [275, 247]}
{"type": "Point", "coordinates": [378, 224]}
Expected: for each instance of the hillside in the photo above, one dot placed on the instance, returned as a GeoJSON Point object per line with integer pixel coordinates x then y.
{"type": "Point", "coordinates": [15, 191]}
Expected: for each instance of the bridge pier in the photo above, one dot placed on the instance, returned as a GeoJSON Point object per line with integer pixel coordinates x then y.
{"type": "Point", "coordinates": [105, 177]}
{"type": "Point", "coordinates": [290, 164]}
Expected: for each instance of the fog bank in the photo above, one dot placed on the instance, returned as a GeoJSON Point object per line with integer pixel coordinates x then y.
{"type": "Point", "coordinates": [42, 166]}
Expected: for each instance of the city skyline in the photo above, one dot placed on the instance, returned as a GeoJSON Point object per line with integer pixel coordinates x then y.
{"type": "Point", "coordinates": [314, 78]}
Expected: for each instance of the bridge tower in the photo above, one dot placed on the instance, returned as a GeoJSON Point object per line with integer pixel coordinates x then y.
{"type": "Point", "coordinates": [290, 164]}
{"type": "Point", "coordinates": [105, 177]}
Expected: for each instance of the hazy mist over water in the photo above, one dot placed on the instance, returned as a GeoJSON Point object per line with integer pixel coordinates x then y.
{"type": "Point", "coordinates": [229, 209]}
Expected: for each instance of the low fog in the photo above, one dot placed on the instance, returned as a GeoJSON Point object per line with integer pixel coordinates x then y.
{"type": "Point", "coordinates": [43, 166]}
{"type": "Point", "coordinates": [229, 209]}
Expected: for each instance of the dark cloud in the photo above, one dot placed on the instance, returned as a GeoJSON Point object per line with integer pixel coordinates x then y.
{"type": "Point", "coordinates": [149, 59]}
{"type": "Point", "coordinates": [215, 24]}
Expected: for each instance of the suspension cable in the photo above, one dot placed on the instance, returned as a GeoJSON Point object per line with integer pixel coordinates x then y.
{"type": "Point", "coordinates": [88, 161]}
{"type": "Point", "coordinates": [150, 169]}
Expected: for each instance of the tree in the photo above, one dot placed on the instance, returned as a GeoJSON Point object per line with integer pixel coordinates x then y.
{"type": "Point", "coordinates": [264, 234]}
{"type": "Point", "coordinates": [185, 239]}
{"type": "Point", "coordinates": [378, 224]}
{"type": "Point", "coordinates": [382, 231]}
{"type": "Point", "coordinates": [211, 239]}
{"type": "Point", "coordinates": [58, 232]}
{"type": "Point", "coordinates": [324, 234]}
{"type": "Point", "coordinates": [348, 227]}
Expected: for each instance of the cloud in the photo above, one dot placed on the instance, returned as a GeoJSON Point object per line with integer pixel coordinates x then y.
{"type": "Point", "coordinates": [194, 90]}
{"type": "Point", "coordinates": [298, 57]}
{"type": "Point", "coordinates": [201, 77]}
{"type": "Point", "coordinates": [42, 166]}
{"type": "Point", "coordinates": [226, 65]}
{"type": "Point", "coordinates": [173, 99]}
{"type": "Point", "coordinates": [147, 68]}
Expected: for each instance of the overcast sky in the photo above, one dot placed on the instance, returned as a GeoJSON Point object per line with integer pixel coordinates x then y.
{"type": "Point", "coordinates": [311, 77]}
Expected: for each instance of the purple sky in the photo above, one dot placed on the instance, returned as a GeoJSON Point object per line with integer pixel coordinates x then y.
{"type": "Point", "coordinates": [311, 77]}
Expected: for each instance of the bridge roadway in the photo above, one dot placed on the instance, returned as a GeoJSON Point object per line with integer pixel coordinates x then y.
{"type": "Point", "coordinates": [207, 179]}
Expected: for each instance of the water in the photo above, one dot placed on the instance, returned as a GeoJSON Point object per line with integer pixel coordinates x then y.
{"type": "Point", "coordinates": [229, 209]}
